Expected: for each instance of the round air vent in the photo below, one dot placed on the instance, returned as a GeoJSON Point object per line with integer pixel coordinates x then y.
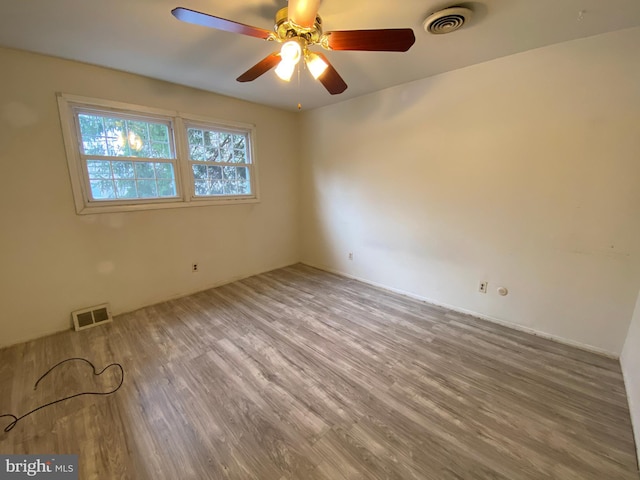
{"type": "Point", "coordinates": [447, 20]}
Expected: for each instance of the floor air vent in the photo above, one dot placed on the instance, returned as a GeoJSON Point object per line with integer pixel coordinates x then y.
{"type": "Point", "coordinates": [92, 316]}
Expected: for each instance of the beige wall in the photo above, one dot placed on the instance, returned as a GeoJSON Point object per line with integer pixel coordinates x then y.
{"type": "Point", "coordinates": [522, 171]}
{"type": "Point", "coordinates": [53, 261]}
{"type": "Point", "coordinates": [630, 361]}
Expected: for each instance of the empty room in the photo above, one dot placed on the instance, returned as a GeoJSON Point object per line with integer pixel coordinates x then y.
{"type": "Point", "coordinates": [325, 240]}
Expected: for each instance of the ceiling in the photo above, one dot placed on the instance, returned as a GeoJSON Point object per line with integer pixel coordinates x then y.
{"type": "Point", "coordinates": [141, 36]}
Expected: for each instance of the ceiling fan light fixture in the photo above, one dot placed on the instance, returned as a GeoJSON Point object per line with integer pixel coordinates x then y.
{"type": "Point", "coordinates": [315, 64]}
{"type": "Point", "coordinates": [291, 52]}
{"type": "Point", "coordinates": [285, 70]}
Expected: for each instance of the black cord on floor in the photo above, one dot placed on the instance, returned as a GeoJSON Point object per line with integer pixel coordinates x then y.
{"type": "Point", "coordinates": [9, 427]}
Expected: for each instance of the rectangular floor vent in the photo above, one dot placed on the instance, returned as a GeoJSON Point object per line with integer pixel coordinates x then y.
{"type": "Point", "coordinates": [92, 316]}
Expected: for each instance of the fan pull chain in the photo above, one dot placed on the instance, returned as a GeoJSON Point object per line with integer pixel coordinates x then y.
{"type": "Point", "coordinates": [299, 104]}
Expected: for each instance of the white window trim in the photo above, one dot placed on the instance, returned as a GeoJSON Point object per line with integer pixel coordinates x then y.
{"type": "Point", "coordinates": [184, 176]}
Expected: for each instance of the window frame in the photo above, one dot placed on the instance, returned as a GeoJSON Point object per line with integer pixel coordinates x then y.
{"type": "Point", "coordinates": [192, 121]}
{"type": "Point", "coordinates": [84, 158]}
{"type": "Point", "coordinates": [178, 122]}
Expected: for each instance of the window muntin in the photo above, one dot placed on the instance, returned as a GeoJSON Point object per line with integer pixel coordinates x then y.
{"type": "Point", "coordinates": [220, 161]}
{"type": "Point", "coordinates": [126, 157]}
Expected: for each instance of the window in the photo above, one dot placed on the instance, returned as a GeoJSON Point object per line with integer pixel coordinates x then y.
{"type": "Point", "coordinates": [219, 161]}
{"type": "Point", "coordinates": [126, 157]}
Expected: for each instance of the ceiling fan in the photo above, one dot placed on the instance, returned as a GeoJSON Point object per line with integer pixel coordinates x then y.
{"type": "Point", "coordinates": [299, 27]}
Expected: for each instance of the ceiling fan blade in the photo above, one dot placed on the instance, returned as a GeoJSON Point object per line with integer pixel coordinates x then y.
{"type": "Point", "coordinates": [205, 20]}
{"type": "Point", "coordinates": [303, 12]}
{"type": "Point", "coordinates": [263, 66]}
{"type": "Point", "coordinates": [385, 40]}
{"type": "Point", "coordinates": [331, 79]}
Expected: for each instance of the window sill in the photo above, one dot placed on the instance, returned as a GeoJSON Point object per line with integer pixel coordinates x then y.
{"type": "Point", "coordinates": [98, 208]}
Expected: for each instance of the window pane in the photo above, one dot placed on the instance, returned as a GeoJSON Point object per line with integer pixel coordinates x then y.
{"type": "Point", "coordinates": [197, 153]}
{"type": "Point", "coordinates": [145, 170]}
{"type": "Point", "coordinates": [211, 138]}
{"type": "Point", "coordinates": [202, 188]}
{"type": "Point", "coordinates": [98, 169]}
{"type": "Point", "coordinates": [166, 188]}
{"type": "Point", "coordinates": [140, 129]}
{"type": "Point", "coordinates": [212, 154]}
{"type": "Point", "coordinates": [126, 189]}
{"type": "Point", "coordinates": [95, 146]}
{"type": "Point", "coordinates": [239, 142]}
{"type": "Point", "coordinates": [239, 156]}
{"type": "Point", "coordinates": [164, 170]}
{"type": "Point", "coordinates": [119, 137]}
{"type": "Point", "coordinates": [159, 132]}
{"type": "Point", "coordinates": [196, 136]}
{"type": "Point", "coordinates": [147, 188]}
{"type": "Point", "coordinates": [160, 150]}
{"type": "Point", "coordinates": [225, 140]}
{"type": "Point", "coordinates": [229, 173]}
{"type": "Point", "coordinates": [91, 125]}
{"type": "Point", "coordinates": [122, 169]}
{"type": "Point", "coordinates": [102, 189]}
{"type": "Point", "coordinates": [242, 181]}
{"type": "Point", "coordinates": [230, 188]}
{"type": "Point", "coordinates": [215, 173]}
{"type": "Point", "coordinates": [199, 172]}
{"type": "Point", "coordinates": [217, 188]}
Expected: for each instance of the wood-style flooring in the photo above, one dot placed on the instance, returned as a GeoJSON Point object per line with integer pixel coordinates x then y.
{"type": "Point", "coordinates": [301, 374]}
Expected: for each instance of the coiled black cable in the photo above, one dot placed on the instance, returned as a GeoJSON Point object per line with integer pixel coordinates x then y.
{"type": "Point", "coordinates": [9, 427]}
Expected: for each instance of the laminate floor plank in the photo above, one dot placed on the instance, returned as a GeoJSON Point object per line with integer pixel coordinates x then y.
{"type": "Point", "coordinates": [302, 374]}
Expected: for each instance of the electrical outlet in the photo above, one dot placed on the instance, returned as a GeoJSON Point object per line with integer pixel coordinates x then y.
{"type": "Point", "coordinates": [350, 255]}
{"type": "Point", "coordinates": [483, 287]}
{"type": "Point", "coordinates": [194, 268]}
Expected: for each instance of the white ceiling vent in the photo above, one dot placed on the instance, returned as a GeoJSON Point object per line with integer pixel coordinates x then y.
{"type": "Point", "coordinates": [91, 316]}
{"type": "Point", "coordinates": [447, 20]}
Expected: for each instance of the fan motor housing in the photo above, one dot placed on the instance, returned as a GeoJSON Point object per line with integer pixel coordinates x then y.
{"type": "Point", "coordinates": [447, 20]}
{"type": "Point", "coordinates": [286, 29]}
